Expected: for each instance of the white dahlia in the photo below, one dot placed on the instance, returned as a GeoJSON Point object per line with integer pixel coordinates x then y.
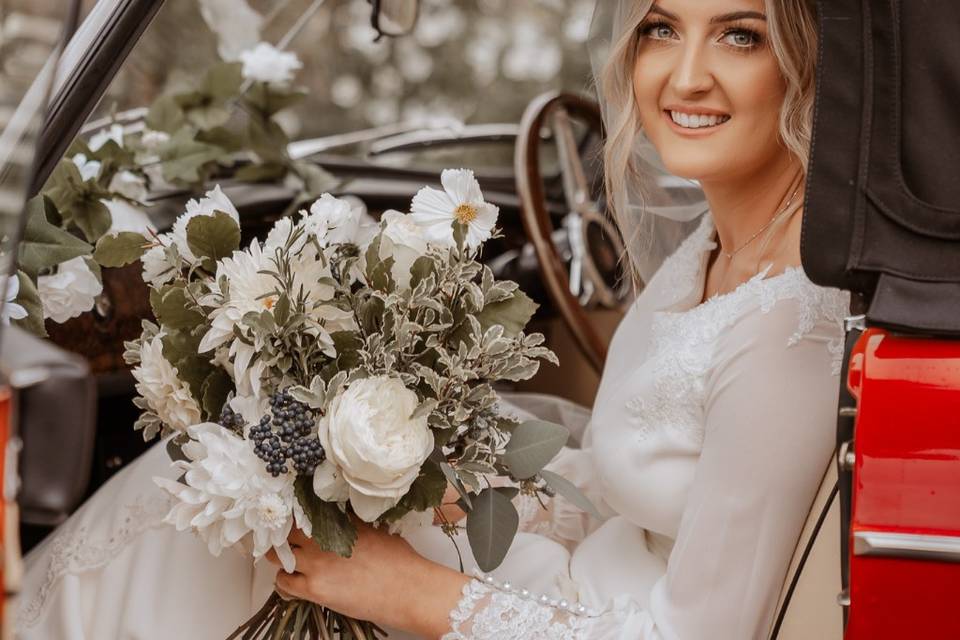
{"type": "Point", "coordinates": [230, 499]}
{"type": "Point", "coordinates": [157, 270]}
{"type": "Point", "coordinates": [460, 201]}
{"type": "Point", "coordinates": [159, 383]}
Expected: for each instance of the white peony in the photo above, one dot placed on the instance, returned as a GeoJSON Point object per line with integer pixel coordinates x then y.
{"type": "Point", "coordinates": [159, 383]}
{"type": "Point", "coordinates": [70, 291]}
{"type": "Point", "coordinates": [213, 201]}
{"type": "Point", "coordinates": [229, 498]}
{"type": "Point", "coordinates": [374, 447]}
{"type": "Point", "coordinates": [237, 25]}
{"type": "Point", "coordinates": [460, 201]}
{"type": "Point", "coordinates": [157, 271]}
{"type": "Point", "coordinates": [10, 309]}
{"type": "Point", "coordinates": [404, 241]}
{"type": "Point", "coordinates": [89, 169]}
{"type": "Point", "coordinates": [266, 63]}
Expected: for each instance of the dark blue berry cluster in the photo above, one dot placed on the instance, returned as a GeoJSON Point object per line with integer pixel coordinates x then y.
{"type": "Point", "coordinates": [231, 420]}
{"type": "Point", "coordinates": [286, 435]}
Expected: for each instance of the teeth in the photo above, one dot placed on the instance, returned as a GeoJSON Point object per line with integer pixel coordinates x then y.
{"type": "Point", "coordinates": [697, 121]}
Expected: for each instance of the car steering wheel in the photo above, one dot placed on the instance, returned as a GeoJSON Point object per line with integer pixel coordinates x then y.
{"type": "Point", "coordinates": [580, 259]}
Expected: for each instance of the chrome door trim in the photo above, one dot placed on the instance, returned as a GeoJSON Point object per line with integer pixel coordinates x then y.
{"type": "Point", "coordinates": [907, 545]}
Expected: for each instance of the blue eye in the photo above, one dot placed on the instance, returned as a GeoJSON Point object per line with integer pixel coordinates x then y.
{"type": "Point", "coordinates": [742, 38]}
{"type": "Point", "coordinates": [657, 31]}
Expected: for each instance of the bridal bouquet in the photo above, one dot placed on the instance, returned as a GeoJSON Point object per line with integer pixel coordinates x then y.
{"type": "Point", "coordinates": [337, 370]}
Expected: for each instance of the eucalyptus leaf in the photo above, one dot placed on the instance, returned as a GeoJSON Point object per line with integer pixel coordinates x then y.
{"type": "Point", "coordinates": [174, 309]}
{"type": "Point", "coordinates": [45, 245]}
{"type": "Point", "coordinates": [165, 115]}
{"type": "Point", "coordinates": [121, 249]}
{"type": "Point", "coordinates": [91, 216]}
{"type": "Point", "coordinates": [332, 529]}
{"type": "Point", "coordinates": [532, 445]}
{"type": "Point", "coordinates": [569, 491]}
{"type": "Point", "coordinates": [185, 159]}
{"type": "Point", "coordinates": [452, 478]}
{"type": "Point", "coordinates": [491, 527]}
{"type": "Point", "coordinates": [215, 237]}
{"type": "Point", "coordinates": [512, 314]}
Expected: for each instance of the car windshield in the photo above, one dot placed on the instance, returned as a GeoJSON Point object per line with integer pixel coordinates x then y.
{"type": "Point", "coordinates": [467, 62]}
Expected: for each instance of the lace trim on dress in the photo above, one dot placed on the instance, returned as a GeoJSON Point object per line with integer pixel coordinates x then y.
{"type": "Point", "coordinates": [489, 610]}
{"type": "Point", "coordinates": [72, 552]}
{"type": "Point", "coordinates": [681, 342]}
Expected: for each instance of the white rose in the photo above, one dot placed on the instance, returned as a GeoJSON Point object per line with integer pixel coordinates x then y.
{"type": "Point", "coordinates": [374, 448]}
{"type": "Point", "coordinates": [404, 241]}
{"type": "Point", "coordinates": [70, 291]}
{"type": "Point", "coordinates": [266, 63]}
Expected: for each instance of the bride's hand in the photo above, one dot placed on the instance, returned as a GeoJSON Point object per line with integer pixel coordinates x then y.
{"type": "Point", "coordinates": [384, 581]}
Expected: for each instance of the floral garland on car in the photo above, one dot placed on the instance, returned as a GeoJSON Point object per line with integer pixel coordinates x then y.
{"type": "Point", "coordinates": [96, 195]}
{"type": "Point", "coordinates": [273, 369]}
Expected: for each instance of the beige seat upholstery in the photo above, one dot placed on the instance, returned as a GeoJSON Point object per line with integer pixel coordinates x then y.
{"type": "Point", "coordinates": [813, 612]}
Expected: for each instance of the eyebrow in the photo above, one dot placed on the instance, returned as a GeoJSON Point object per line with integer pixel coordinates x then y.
{"type": "Point", "coordinates": [726, 17]}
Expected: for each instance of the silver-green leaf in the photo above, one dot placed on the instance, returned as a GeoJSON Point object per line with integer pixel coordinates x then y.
{"type": "Point", "coordinates": [569, 491]}
{"type": "Point", "coordinates": [491, 526]}
{"type": "Point", "coordinates": [533, 444]}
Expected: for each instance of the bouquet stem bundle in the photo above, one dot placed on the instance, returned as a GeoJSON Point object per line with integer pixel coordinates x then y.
{"type": "Point", "coordinates": [281, 619]}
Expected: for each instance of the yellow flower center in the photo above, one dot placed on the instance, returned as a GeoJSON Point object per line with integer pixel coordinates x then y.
{"type": "Point", "coordinates": [465, 213]}
{"type": "Point", "coordinates": [269, 302]}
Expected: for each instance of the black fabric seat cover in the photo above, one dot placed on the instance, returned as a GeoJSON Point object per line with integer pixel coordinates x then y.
{"type": "Point", "coordinates": [883, 195]}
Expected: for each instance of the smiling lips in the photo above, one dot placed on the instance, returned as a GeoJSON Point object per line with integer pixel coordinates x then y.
{"type": "Point", "coordinates": [695, 120]}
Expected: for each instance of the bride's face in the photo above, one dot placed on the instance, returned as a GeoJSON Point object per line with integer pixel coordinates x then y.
{"type": "Point", "coordinates": [708, 87]}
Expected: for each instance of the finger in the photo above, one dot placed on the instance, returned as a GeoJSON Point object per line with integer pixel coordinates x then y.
{"type": "Point", "coordinates": [272, 557]}
{"type": "Point", "coordinates": [298, 538]}
{"type": "Point", "coordinates": [294, 584]}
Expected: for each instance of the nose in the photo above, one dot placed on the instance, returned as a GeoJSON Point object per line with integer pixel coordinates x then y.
{"type": "Point", "coordinates": [692, 75]}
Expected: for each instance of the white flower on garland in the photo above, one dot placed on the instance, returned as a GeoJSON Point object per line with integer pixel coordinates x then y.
{"type": "Point", "coordinates": [152, 140]}
{"type": "Point", "coordinates": [237, 25]}
{"type": "Point", "coordinates": [115, 133]}
{"type": "Point", "coordinates": [374, 446]}
{"type": "Point", "coordinates": [266, 63]}
{"type": "Point", "coordinates": [159, 383]}
{"type": "Point", "coordinates": [214, 200]}
{"type": "Point", "coordinates": [157, 270]}
{"type": "Point", "coordinates": [11, 310]}
{"type": "Point", "coordinates": [70, 291]}
{"type": "Point", "coordinates": [89, 169]}
{"type": "Point", "coordinates": [230, 499]}
{"type": "Point", "coordinates": [460, 201]}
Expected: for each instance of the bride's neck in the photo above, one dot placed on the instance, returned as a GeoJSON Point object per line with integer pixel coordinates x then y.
{"type": "Point", "coordinates": [741, 207]}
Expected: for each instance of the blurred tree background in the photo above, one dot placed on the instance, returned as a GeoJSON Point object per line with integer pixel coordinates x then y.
{"type": "Point", "coordinates": [477, 61]}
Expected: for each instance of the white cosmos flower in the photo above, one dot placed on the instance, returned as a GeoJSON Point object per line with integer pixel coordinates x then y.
{"type": "Point", "coordinates": [460, 201]}
{"type": "Point", "coordinates": [230, 499]}
{"type": "Point", "coordinates": [159, 383]}
{"type": "Point", "coordinates": [89, 169]}
{"type": "Point", "coordinates": [266, 63]}
{"type": "Point", "coordinates": [70, 291]}
{"type": "Point", "coordinates": [214, 200]}
{"type": "Point", "coordinates": [11, 310]}
{"type": "Point", "coordinates": [374, 446]}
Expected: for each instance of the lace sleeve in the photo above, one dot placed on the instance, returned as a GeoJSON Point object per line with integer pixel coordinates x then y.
{"type": "Point", "coordinates": [490, 610]}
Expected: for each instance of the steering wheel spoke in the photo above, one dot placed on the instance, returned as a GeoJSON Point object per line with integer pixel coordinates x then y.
{"type": "Point", "coordinates": [580, 258]}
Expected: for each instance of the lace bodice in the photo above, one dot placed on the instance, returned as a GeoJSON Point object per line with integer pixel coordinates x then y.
{"type": "Point", "coordinates": [710, 431]}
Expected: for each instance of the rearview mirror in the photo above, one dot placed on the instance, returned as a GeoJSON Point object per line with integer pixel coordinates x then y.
{"type": "Point", "coordinates": [394, 17]}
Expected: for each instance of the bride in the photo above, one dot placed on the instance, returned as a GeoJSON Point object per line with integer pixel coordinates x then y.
{"type": "Point", "coordinates": [711, 427]}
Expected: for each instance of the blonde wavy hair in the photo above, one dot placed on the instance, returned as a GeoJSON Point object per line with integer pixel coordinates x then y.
{"type": "Point", "coordinates": [793, 38]}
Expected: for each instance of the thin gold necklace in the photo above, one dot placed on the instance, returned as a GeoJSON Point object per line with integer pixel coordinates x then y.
{"type": "Point", "coordinates": [776, 216]}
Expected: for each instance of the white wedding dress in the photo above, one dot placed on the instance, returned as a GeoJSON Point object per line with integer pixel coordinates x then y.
{"type": "Point", "coordinates": [711, 430]}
